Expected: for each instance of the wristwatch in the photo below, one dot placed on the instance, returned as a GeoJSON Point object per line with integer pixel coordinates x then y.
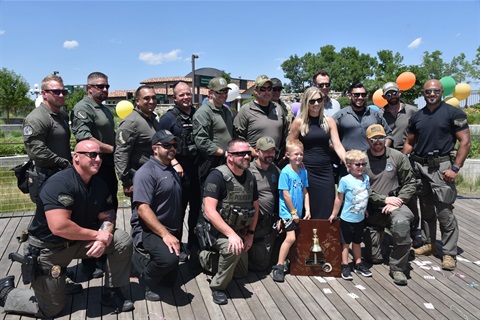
{"type": "Point", "coordinates": [251, 231]}
{"type": "Point", "coordinates": [455, 169]}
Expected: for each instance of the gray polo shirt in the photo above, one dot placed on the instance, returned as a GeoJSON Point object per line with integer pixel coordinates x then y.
{"type": "Point", "coordinates": [398, 123]}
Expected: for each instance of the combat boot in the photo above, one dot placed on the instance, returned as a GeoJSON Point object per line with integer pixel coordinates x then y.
{"type": "Point", "coordinates": [426, 250]}
{"type": "Point", "coordinates": [448, 262]}
{"type": "Point", "coordinates": [7, 284]}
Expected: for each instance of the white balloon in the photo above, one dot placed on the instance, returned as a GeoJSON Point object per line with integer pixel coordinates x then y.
{"type": "Point", "coordinates": [38, 101]}
{"type": "Point", "coordinates": [233, 92]}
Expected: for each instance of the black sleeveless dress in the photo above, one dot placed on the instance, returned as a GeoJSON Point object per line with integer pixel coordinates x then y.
{"type": "Point", "coordinates": [319, 169]}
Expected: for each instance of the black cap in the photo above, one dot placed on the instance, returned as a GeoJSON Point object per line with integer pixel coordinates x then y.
{"type": "Point", "coordinates": [163, 136]}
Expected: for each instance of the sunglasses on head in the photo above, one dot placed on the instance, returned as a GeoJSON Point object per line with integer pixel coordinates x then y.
{"type": "Point", "coordinates": [390, 94]}
{"type": "Point", "coordinates": [92, 155]}
{"type": "Point", "coordinates": [168, 145]}
{"type": "Point", "coordinates": [241, 153]}
{"type": "Point", "coordinates": [263, 89]}
{"type": "Point", "coordinates": [429, 91]}
{"type": "Point", "coordinates": [313, 101]}
{"type": "Point", "coordinates": [57, 92]}
{"type": "Point", "coordinates": [101, 86]}
{"type": "Point", "coordinates": [358, 94]}
{"type": "Point", "coordinates": [323, 85]}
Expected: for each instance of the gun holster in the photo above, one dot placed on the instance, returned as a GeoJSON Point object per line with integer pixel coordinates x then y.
{"type": "Point", "coordinates": [29, 265]}
{"type": "Point", "coordinates": [205, 239]}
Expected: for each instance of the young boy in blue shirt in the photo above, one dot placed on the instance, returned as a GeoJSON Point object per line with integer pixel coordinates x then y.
{"type": "Point", "coordinates": [292, 186]}
{"type": "Point", "coordinates": [353, 188]}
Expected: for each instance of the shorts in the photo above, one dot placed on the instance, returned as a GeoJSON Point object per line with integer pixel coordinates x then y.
{"type": "Point", "coordinates": [352, 231]}
{"type": "Point", "coordinates": [288, 225]}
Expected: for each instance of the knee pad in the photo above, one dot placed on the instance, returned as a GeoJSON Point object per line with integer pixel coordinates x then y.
{"type": "Point", "coordinates": [401, 232]}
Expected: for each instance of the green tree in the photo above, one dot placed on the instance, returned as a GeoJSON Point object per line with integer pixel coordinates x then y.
{"type": "Point", "coordinates": [72, 99]}
{"type": "Point", "coordinates": [13, 93]}
{"type": "Point", "coordinates": [293, 68]}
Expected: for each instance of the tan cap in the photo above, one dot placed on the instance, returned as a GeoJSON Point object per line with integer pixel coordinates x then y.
{"type": "Point", "coordinates": [265, 143]}
{"type": "Point", "coordinates": [261, 80]}
{"type": "Point", "coordinates": [375, 130]}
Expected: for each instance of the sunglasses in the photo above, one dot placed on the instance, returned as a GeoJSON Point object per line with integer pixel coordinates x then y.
{"type": "Point", "coordinates": [100, 86]}
{"type": "Point", "coordinates": [168, 145]}
{"type": "Point", "coordinates": [323, 85]}
{"type": "Point", "coordinates": [277, 89]}
{"type": "Point", "coordinates": [373, 140]}
{"type": "Point", "coordinates": [263, 89]}
{"type": "Point", "coordinates": [241, 153]}
{"type": "Point", "coordinates": [429, 91]}
{"type": "Point", "coordinates": [313, 101]}
{"type": "Point", "coordinates": [91, 155]}
{"type": "Point", "coordinates": [57, 92]}
{"type": "Point", "coordinates": [390, 94]}
{"type": "Point", "coordinates": [223, 91]}
{"type": "Point", "coordinates": [356, 94]}
{"type": "Point", "coordinates": [360, 164]}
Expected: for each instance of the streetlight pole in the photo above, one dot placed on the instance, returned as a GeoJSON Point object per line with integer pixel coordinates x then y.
{"type": "Point", "coordinates": [194, 56]}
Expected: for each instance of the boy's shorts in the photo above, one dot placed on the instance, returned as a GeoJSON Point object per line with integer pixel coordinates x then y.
{"type": "Point", "coordinates": [288, 225]}
{"type": "Point", "coordinates": [352, 231]}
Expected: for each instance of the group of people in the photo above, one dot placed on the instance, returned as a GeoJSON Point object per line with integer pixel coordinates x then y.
{"type": "Point", "coordinates": [246, 181]}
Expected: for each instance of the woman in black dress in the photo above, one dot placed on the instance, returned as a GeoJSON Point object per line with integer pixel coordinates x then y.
{"type": "Point", "coordinates": [316, 131]}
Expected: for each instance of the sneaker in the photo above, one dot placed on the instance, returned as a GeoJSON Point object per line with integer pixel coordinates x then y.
{"type": "Point", "coordinates": [426, 250]}
{"type": "Point", "coordinates": [113, 297]}
{"type": "Point", "coordinates": [72, 287]}
{"type": "Point", "coordinates": [219, 297]}
{"type": "Point", "coordinates": [278, 274]}
{"type": "Point", "coordinates": [399, 278]}
{"type": "Point", "coordinates": [346, 273]}
{"type": "Point", "coordinates": [364, 271]}
{"type": "Point", "coordinates": [286, 265]}
{"type": "Point", "coordinates": [448, 262]}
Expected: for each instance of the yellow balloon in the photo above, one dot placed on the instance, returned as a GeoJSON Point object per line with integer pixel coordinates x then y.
{"type": "Point", "coordinates": [124, 108]}
{"type": "Point", "coordinates": [453, 101]}
{"type": "Point", "coordinates": [462, 91]}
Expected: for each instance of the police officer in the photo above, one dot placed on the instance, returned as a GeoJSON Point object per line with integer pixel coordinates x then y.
{"type": "Point", "coordinates": [392, 183]}
{"type": "Point", "coordinates": [179, 121]}
{"type": "Point", "coordinates": [133, 140]}
{"type": "Point", "coordinates": [266, 173]}
{"type": "Point", "coordinates": [262, 117]}
{"type": "Point", "coordinates": [277, 88]}
{"type": "Point", "coordinates": [230, 210]}
{"type": "Point", "coordinates": [432, 134]}
{"type": "Point", "coordinates": [70, 201]}
{"type": "Point", "coordinates": [46, 133]}
{"type": "Point", "coordinates": [213, 128]}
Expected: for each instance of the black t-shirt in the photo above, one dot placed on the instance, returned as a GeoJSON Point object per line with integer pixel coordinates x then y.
{"type": "Point", "coordinates": [220, 191]}
{"type": "Point", "coordinates": [66, 190]}
{"type": "Point", "coordinates": [436, 130]}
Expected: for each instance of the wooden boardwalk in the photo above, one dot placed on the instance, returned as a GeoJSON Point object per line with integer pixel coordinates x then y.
{"type": "Point", "coordinates": [431, 292]}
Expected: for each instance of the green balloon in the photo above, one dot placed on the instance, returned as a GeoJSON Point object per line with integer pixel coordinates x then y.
{"type": "Point", "coordinates": [448, 84]}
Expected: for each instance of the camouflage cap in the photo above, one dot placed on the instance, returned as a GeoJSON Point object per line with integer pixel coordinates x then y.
{"type": "Point", "coordinates": [261, 80]}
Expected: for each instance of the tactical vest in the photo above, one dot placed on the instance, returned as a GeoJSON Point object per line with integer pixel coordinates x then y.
{"type": "Point", "coordinates": [237, 208]}
{"type": "Point", "coordinates": [187, 145]}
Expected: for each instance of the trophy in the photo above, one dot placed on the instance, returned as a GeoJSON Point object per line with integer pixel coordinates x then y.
{"type": "Point", "coordinates": [316, 250]}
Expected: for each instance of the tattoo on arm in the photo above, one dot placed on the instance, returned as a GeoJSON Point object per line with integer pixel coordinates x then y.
{"type": "Point", "coordinates": [108, 218]}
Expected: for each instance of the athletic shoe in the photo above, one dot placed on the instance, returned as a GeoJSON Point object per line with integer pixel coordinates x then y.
{"type": "Point", "coordinates": [346, 272]}
{"type": "Point", "coordinates": [364, 271]}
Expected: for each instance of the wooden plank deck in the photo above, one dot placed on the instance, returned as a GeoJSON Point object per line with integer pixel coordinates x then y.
{"type": "Point", "coordinates": [431, 292]}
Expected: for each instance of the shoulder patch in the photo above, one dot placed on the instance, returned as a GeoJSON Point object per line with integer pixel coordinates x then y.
{"type": "Point", "coordinates": [457, 122]}
{"type": "Point", "coordinates": [27, 130]}
{"type": "Point", "coordinates": [81, 114]}
{"type": "Point", "coordinates": [211, 187]}
{"type": "Point", "coordinates": [66, 199]}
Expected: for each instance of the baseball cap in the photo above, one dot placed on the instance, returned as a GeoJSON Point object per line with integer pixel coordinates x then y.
{"type": "Point", "coordinates": [261, 80]}
{"type": "Point", "coordinates": [390, 86]}
{"type": "Point", "coordinates": [265, 143]}
{"type": "Point", "coordinates": [375, 130]}
{"type": "Point", "coordinates": [217, 84]}
{"type": "Point", "coordinates": [163, 136]}
{"type": "Point", "coordinates": [276, 83]}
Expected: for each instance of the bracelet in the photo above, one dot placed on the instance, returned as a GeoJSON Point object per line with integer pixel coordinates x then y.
{"type": "Point", "coordinates": [293, 212]}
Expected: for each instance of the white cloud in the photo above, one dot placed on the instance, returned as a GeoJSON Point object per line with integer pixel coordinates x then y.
{"type": "Point", "coordinates": [415, 43]}
{"type": "Point", "coordinates": [2, 32]}
{"type": "Point", "coordinates": [159, 58]}
{"type": "Point", "coordinates": [70, 44]}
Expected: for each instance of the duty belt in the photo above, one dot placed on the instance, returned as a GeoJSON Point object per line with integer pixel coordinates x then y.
{"type": "Point", "coordinates": [47, 245]}
{"type": "Point", "coordinates": [427, 160]}
{"type": "Point", "coordinates": [47, 171]}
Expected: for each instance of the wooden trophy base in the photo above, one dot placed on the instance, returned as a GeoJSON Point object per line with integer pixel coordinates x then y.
{"type": "Point", "coordinates": [328, 262]}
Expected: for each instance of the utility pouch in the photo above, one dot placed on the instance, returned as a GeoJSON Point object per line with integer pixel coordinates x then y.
{"type": "Point", "coordinates": [35, 182]}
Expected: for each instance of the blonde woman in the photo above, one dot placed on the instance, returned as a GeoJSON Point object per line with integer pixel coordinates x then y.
{"type": "Point", "coordinates": [316, 131]}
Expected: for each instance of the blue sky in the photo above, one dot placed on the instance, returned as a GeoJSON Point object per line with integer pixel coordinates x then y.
{"type": "Point", "coordinates": [132, 41]}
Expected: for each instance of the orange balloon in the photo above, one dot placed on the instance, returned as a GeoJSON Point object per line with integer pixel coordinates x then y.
{"type": "Point", "coordinates": [378, 100]}
{"type": "Point", "coordinates": [406, 80]}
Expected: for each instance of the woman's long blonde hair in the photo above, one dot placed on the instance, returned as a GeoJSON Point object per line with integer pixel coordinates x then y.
{"type": "Point", "coordinates": [303, 114]}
